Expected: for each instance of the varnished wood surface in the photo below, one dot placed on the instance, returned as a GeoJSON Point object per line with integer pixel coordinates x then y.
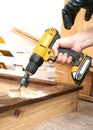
{"type": "Point", "coordinates": [28, 117]}
{"type": "Point", "coordinates": [82, 119]}
{"type": "Point", "coordinates": [52, 89]}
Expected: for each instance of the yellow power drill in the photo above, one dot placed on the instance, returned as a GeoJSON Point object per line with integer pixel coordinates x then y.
{"type": "Point", "coordinates": [43, 53]}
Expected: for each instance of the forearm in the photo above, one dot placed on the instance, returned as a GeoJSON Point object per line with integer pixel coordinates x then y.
{"type": "Point", "coordinates": [85, 39]}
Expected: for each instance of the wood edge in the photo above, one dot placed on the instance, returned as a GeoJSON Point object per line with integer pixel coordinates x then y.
{"type": "Point", "coordinates": [19, 102]}
{"type": "Point", "coordinates": [24, 34]}
{"type": "Point", "coordinates": [32, 80]}
{"type": "Point", "coordinates": [85, 97]}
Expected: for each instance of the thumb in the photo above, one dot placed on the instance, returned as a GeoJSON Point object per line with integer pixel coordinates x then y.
{"type": "Point", "coordinates": [55, 47]}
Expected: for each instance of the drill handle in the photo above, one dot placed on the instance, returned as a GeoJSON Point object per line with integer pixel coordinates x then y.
{"type": "Point", "coordinates": [70, 52]}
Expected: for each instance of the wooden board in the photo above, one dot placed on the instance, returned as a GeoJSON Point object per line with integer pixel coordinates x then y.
{"type": "Point", "coordinates": [27, 112]}
{"type": "Point", "coordinates": [86, 97]}
{"type": "Point", "coordinates": [49, 89]}
{"type": "Point", "coordinates": [63, 72]}
{"type": "Point", "coordinates": [30, 116]}
{"type": "Point", "coordinates": [25, 34]}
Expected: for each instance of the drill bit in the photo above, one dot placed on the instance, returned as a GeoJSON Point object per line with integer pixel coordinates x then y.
{"type": "Point", "coordinates": [19, 88]}
{"type": "Point", "coordinates": [15, 93]}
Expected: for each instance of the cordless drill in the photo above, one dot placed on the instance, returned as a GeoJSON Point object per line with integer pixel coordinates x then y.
{"type": "Point", "coordinates": [43, 53]}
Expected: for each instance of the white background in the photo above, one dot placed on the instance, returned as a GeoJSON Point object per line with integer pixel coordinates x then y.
{"type": "Point", "coordinates": [32, 16]}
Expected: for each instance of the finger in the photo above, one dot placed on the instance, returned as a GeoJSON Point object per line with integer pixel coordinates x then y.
{"type": "Point", "coordinates": [50, 62]}
{"type": "Point", "coordinates": [64, 58]}
{"type": "Point", "coordinates": [69, 60]}
{"type": "Point", "coordinates": [59, 58]}
{"type": "Point", "coordinates": [56, 46]}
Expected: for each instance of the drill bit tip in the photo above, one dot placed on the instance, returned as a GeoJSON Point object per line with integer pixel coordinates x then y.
{"type": "Point", "coordinates": [19, 89]}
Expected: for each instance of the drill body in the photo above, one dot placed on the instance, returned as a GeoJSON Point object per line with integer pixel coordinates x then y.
{"type": "Point", "coordinates": [42, 52]}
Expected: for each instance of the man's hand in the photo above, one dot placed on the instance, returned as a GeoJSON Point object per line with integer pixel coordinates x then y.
{"type": "Point", "coordinates": [72, 8]}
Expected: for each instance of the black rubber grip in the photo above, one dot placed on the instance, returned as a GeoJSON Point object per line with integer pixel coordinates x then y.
{"type": "Point", "coordinates": [70, 52]}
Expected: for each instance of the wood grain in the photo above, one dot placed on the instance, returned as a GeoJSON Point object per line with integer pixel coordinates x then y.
{"type": "Point", "coordinates": [25, 34]}
{"type": "Point", "coordinates": [30, 116]}
{"type": "Point", "coordinates": [49, 88]}
{"type": "Point", "coordinates": [26, 113]}
{"type": "Point", "coordinates": [76, 120]}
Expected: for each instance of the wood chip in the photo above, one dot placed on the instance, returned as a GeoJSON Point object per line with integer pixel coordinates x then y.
{"type": "Point", "coordinates": [15, 93]}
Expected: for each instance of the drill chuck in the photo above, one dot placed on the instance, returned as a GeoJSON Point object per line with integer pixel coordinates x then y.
{"type": "Point", "coordinates": [35, 61]}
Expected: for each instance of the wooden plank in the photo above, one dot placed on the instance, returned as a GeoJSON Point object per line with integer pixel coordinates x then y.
{"type": "Point", "coordinates": [32, 80]}
{"type": "Point", "coordinates": [48, 90]}
{"type": "Point", "coordinates": [30, 116]}
{"type": "Point", "coordinates": [6, 53]}
{"type": "Point", "coordinates": [63, 74]}
{"type": "Point", "coordinates": [25, 34]}
{"type": "Point", "coordinates": [87, 84]}
{"type": "Point", "coordinates": [76, 120]}
{"type": "Point", "coordinates": [46, 100]}
{"type": "Point", "coordinates": [85, 97]}
{"type": "Point", "coordinates": [2, 65]}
